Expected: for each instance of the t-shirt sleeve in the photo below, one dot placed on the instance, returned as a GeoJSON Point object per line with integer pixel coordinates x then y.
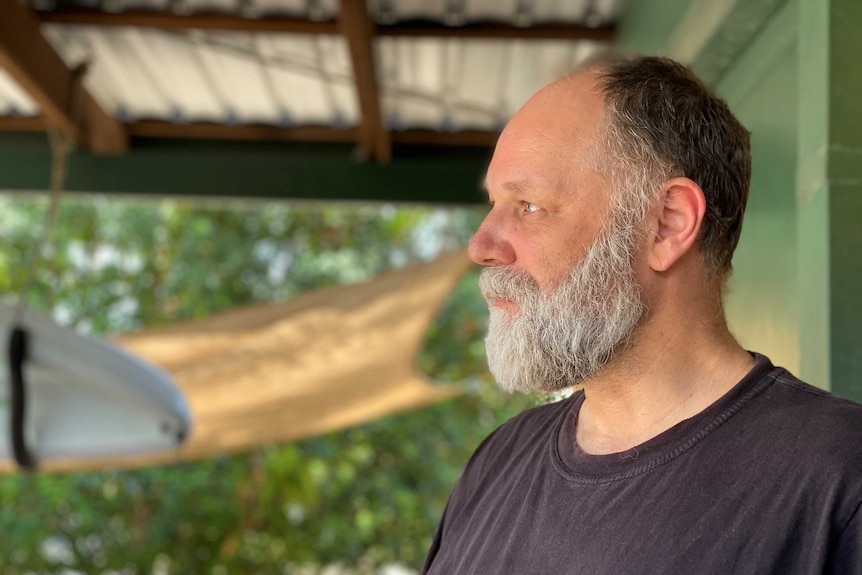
{"type": "Point", "coordinates": [470, 470]}
{"type": "Point", "coordinates": [435, 544]}
{"type": "Point", "coordinates": [494, 449]}
{"type": "Point", "coordinates": [847, 553]}
{"type": "Point", "coordinates": [464, 486]}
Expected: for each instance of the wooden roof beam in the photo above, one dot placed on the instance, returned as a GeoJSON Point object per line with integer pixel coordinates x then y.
{"type": "Point", "coordinates": [32, 62]}
{"type": "Point", "coordinates": [459, 138]}
{"type": "Point", "coordinates": [287, 25]}
{"type": "Point", "coordinates": [358, 29]}
{"type": "Point", "coordinates": [23, 124]}
{"type": "Point", "coordinates": [489, 30]}
{"type": "Point", "coordinates": [170, 21]}
{"type": "Point", "coordinates": [240, 132]}
{"type": "Point", "coordinates": [269, 133]}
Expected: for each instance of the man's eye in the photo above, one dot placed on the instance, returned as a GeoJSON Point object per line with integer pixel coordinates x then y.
{"type": "Point", "coordinates": [530, 207]}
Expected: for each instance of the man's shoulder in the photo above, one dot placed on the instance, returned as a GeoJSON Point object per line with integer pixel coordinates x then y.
{"type": "Point", "coordinates": [812, 406]}
{"type": "Point", "coordinates": [813, 422]}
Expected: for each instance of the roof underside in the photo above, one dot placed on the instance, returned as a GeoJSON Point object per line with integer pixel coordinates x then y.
{"type": "Point", "coordinates": [381, 75]}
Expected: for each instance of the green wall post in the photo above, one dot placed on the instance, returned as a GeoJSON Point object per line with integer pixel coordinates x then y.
{"type": "Point", "coordinates": [829, 195]}
{"type": "Point", "coordinates": [761, 89]}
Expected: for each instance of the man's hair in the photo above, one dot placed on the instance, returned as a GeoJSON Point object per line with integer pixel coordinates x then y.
{"type": "Point", "coordinates": [662, 122]}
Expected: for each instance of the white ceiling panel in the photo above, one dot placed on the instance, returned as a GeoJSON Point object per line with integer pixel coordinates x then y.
{"type": "Point", "coordinates": [301, 90]}
{"type": "Point", "coordinates": [123, 5]}
{"type": "Point", "coordinates": [335, 57]}
{"type": "Point", "coordinates": [409, 9]}
{"type": "Point", "coordinates": [14, 101]}
{"type": "Point", "coordinates": [451, 84]}
{"type": "Point", "coordinates": [296, 8]}
{"type": "Point", "coordinates": [503, 10]}
{"type": "Point", "coordinates": [236, 76]}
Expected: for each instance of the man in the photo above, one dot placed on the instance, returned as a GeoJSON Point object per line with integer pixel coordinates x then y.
{"type": "Point", "coordinates": [617, 199]}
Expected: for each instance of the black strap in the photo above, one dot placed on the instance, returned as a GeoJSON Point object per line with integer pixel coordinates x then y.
{"type": "Point", "coordinates": [18, 344]}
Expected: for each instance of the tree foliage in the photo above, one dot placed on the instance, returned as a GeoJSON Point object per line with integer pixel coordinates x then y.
{"type": "Point", "coordinates": [361, 498]}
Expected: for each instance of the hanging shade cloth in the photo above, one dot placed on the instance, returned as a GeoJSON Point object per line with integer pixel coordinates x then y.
{"type": "Point", "coordinates": [320, 362]}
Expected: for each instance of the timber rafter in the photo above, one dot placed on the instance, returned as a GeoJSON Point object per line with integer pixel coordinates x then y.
{"type": "Point", "coordinates": [32, 62]}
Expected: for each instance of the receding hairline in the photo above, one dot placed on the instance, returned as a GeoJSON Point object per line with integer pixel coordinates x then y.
{"type": "Point", "coordinates": [591, 71]}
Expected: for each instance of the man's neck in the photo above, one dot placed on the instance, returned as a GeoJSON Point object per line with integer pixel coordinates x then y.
{"type": "Point", "coordinates": [656, 382]}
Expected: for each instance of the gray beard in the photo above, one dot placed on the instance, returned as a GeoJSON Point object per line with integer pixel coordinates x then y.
{"type": "Point", "coordinates": [562, 337]}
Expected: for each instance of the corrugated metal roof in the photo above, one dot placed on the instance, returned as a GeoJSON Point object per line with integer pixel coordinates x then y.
{"type": "Point", "coordinates": [281, 79]}
{"type": "Point", "coordinates": [14, 101]}
{"type": "Point", "coordinates": [225, 77]}
{"type": "Point", "coordinates": [519, 12]}
{"type": "Point", "coordinates": [451, 12]}
{"type": "Point", "coordinates": [451, 84]}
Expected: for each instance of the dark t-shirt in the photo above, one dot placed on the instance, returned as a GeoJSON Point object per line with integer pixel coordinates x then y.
{"type": "Point", "coordinates": [767, 480]}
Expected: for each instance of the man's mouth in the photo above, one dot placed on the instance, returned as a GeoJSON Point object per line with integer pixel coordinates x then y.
{"type": "Point", "coordinates": [505, 303]}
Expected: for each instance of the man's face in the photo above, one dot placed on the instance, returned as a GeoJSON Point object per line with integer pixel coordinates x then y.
{"type": "Point", "coordinates": [560, 283]}
{"type": "Point", "coordinates": [548, 201]}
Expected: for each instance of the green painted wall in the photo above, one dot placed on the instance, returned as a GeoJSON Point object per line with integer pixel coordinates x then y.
{"type": "Point", "coordinates": [647, 25]}
{"type": "Point", "coordinates": [759, 80]}
{"type": "Point", "coordinates": [761, 88]}
{"type": "Point", "coordinates": [830, 193]}
{"type": "Point", "coordinates": [284, 170]}
{"type": "Point", "coordinates": [789, 69]}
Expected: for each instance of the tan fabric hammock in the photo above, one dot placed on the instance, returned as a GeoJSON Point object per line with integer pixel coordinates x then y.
{"type": "Point", "coordinates": [320, 362]}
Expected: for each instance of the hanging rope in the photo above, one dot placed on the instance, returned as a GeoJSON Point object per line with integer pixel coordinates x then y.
{"type": "Point", "coordinates": [61, 143]}
{"type": "Point", "coordinates": [61, 147]}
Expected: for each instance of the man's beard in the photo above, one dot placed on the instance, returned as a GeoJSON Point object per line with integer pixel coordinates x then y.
{"type": "Point", "coordinates": [562, 337]}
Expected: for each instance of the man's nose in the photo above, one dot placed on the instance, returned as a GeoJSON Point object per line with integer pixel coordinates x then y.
{"type": "Point", "coordinates": [489, 246]}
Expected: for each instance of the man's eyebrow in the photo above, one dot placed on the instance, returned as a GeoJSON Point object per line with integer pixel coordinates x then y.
{"type": "Point", "coordinates": [518, 187]}
{"type": "Point", "coordinates": [515, 186]}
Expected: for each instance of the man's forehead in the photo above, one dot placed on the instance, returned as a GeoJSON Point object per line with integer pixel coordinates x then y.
{"type": "Point", "coordinates": [566, 113]}
{"type": "Point", "coordinates": [525, 157]}
{"type": "Point", "coordinates": [577, 96]}
{"type": "Point", "coordinates": [551, 137]}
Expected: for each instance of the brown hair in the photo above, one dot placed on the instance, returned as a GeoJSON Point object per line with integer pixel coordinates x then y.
{"type": "Point", "coordinates": [662, 122]}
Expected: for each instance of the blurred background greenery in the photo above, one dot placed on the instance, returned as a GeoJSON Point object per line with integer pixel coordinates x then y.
{"type": "Point", "coordinates": [360, 501]}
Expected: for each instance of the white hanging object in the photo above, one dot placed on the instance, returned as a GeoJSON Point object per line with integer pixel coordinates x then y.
{"type": "Point", "coordinates": [85, 399]}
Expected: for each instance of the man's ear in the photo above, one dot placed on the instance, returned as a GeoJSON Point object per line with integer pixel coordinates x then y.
{"type": "Point", "coordinates": [677, 225]}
